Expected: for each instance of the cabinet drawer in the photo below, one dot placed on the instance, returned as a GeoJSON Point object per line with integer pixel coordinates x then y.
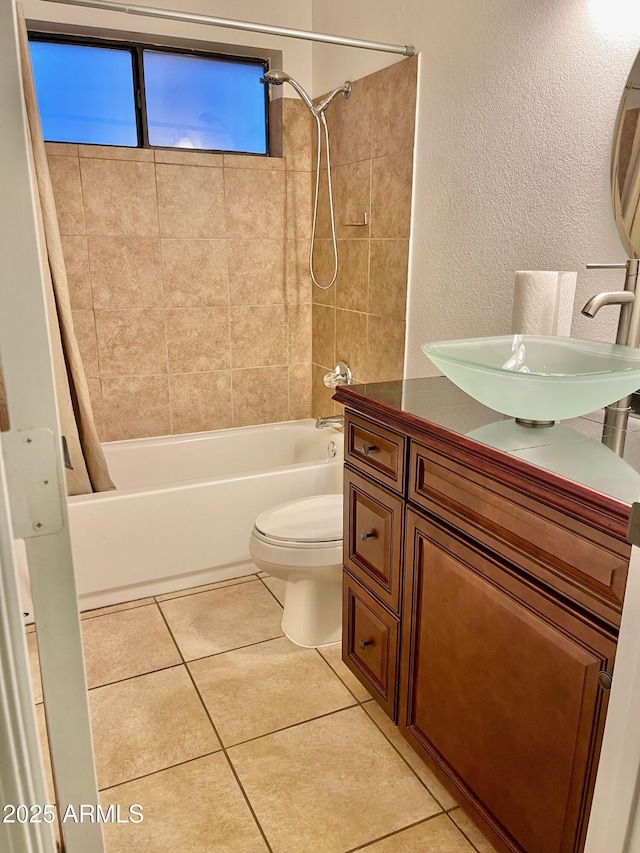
{"type": "Point", "coordinates": [586, 564]}
{"type": "Point", "coordinates": [373, 524]}
{"type": "Point", "coordinates": [370, 643]}
{"type": "Point", "coordinates": [376, 450]}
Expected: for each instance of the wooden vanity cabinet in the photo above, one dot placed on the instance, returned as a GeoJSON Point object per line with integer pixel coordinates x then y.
{"type": "Point", "coordinates": [483, 612]}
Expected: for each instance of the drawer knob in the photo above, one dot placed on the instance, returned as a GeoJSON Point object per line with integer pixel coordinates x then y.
{"type": "Point", "coordinates": [364, 643]}
{"type": "Point", "coordinates": [368, 448]}
{"type": "Point", "coordinates": [604, 680]}
{"type": "Point", "coordinates": [367, 534]}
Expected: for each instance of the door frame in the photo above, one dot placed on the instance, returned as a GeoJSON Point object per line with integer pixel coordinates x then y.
{"type": "Point", "coordinates": [36, 492]}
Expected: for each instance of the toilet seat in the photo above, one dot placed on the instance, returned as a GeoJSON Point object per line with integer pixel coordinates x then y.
{"type": "Point", "coordinates": [305, 523]}
{"type": "Point", "coordinates": [292, 544]}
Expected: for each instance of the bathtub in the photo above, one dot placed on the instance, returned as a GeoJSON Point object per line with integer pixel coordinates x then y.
{"type": "Point", "coordinates": [184, 506]}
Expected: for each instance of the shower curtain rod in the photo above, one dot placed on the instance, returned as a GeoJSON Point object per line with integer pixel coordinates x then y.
{"type": "Point", "coordinates": [194, 18]}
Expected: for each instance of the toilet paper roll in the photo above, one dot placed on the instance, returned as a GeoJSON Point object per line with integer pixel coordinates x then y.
{"type": "Point", "coordinates": [566, 298]}
{"type": "Point", "coordinates": [543, 302]}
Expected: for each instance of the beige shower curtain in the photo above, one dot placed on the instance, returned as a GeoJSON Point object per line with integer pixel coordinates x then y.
{"type": "Point", "coordinates": [89, 471]}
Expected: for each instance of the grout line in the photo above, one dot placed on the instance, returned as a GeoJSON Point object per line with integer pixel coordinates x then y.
{"type": "Point", "coordinates": [164, 306]}
{"type": "Point", "coordinates": [340, 679]}
{"type": "Point", "coordinates": [160, 770]}
{"type": "Point", "coordinates": [198, 590]}
{"type": "Point", "coordinates": [132, 677]}
{"type": "Point", "coordinates": [407, 763]}
{"type": "Point", "coordinates": [292, 725]}
{"type": "Point", "coordinates": [228, 303]}
{"type": "Point", "coordinates": [222, 746]}
{"type": "Point", "coordinates": [392, 834]}
{"type": "Point", "coordinates": [148, 600]}
{"type": "Point", "coordinates": [271, 592]}
{"type": "Point", "coordinates": [235, 649]}
{"type": "Point", "coordinates": [461, 830]}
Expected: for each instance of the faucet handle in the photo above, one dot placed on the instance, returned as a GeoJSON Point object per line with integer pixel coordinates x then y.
{"type": "Point", "coordinates": [341, 375]}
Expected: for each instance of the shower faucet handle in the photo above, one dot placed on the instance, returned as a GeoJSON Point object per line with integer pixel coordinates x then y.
{"type": "Point", "coordinates": [341, 375]}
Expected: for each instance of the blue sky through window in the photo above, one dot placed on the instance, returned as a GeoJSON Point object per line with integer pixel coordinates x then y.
{"type": "Point", "coordinates": [85, 94]}
{"type": "Point", "coordinates": [196, 102]}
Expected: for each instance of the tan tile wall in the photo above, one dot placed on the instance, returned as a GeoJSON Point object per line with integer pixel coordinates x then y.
{"type": "Point", "coordinates": [361, 320]}
{"type": "Point", "coordinates": [188, 282]}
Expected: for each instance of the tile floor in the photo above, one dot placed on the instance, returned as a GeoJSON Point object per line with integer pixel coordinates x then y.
{"type": "Point", "coordinates": [234, 740]}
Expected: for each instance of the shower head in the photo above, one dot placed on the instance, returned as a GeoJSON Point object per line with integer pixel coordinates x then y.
{"type": "Point", "coordinates": [277, 77]}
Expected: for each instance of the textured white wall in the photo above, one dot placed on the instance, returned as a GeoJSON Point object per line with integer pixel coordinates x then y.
{"type": "Point", "coordinates": [282, 13]}
{"type": "Point", "coordinates": [516, 107]}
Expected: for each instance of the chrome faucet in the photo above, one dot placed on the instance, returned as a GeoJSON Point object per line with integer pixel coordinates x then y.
{"type": "Point", "coordinates": [616, 415]}
{"type": "Point", "coordinates": [335, 421]}
{"type": "Point", "coordinates": [629, 323]}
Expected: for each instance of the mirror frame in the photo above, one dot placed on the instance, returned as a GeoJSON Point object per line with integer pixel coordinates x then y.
{"type": "Point", "coordinates": [632, 85]}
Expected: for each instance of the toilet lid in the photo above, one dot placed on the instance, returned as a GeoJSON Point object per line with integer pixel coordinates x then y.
{"type": "Point", "coordinates": [316, 519]}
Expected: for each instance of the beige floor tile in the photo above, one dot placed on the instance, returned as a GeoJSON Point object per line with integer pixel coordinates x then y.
{"type": "Point", "coordinates": [438, 835]}
{"type": "Point", "coordinates": [223, 619]}
{"type": "Point", "coordinates": [435, 787]}
{"type": "Point", "coordinates": [205, 588]}
{"type": "Point", "coordinates": [115, 608]}
{"type": "Point", "coordinates": [121, 645]}
{"type": "Point", "coordinates": [472, 832]}
{"type": "Point", "coordinates": [146, 724]}
{"type": "Point", "coordinates": [196, 807]}
{"type": "Point", "coordinates": [259, 689]}
{"type": "Point", "coordinates": [333, 656]}
{"type": "Point", "coordinates": [329, 785]}
{"type": "Point", "coordinates": [277, 586]}
{"type": "Point", "coordinates": [34, 667]}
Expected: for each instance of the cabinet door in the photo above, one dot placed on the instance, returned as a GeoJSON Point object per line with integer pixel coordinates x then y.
{"type": "Point", "coordinates": [500, 692]}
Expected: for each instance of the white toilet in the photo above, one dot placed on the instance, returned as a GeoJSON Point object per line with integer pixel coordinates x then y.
{"type": "Point", "coordinates": [301, 542]}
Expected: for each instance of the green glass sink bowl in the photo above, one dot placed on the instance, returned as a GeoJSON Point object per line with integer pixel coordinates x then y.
{"type": "Point", "coordinates": [538, 377]}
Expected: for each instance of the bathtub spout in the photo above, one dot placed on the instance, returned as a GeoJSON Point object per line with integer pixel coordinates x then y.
{"type": "Point", "coordinates": [335, 421]}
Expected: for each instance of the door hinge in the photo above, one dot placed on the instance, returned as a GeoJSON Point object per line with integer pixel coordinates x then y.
{"type": "Point", "coordinates": [35, 491]}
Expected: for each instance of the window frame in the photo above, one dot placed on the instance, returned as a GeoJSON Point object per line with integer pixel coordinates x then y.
{"type": "Point", "coordinates": [136, 50]}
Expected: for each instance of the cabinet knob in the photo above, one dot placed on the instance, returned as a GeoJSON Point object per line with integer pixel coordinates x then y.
{"type": "Point", "coordinates": [364, 643]}
{"type": "Point", "coordinates": [604, 680]}
{"type": "Point", "coordinates": [367, 534]}
{"type": "Point", "coordinates": [368, 448]}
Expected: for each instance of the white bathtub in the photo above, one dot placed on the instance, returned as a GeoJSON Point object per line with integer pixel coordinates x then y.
{"type": "Point", "coordinates": [185, 505]}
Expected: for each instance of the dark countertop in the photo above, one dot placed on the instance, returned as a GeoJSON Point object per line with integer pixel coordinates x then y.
{"type": "Point", "coordinates": [573, 449]}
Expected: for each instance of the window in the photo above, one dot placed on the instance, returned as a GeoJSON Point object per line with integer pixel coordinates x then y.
{"type": "Point", "coordinates": [85, 94]}
{"type": "Point", "coordinates": [142, 96]}
{"type": "Point", "coordinates": [204, 103]}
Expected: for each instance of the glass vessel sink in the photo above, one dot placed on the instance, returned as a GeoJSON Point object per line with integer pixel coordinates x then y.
{"type": "Point", "coordinates": [536, 377]}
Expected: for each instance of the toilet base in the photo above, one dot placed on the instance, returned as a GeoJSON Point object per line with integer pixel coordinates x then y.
{"type": "Point", "coordinates": [313, 612]}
